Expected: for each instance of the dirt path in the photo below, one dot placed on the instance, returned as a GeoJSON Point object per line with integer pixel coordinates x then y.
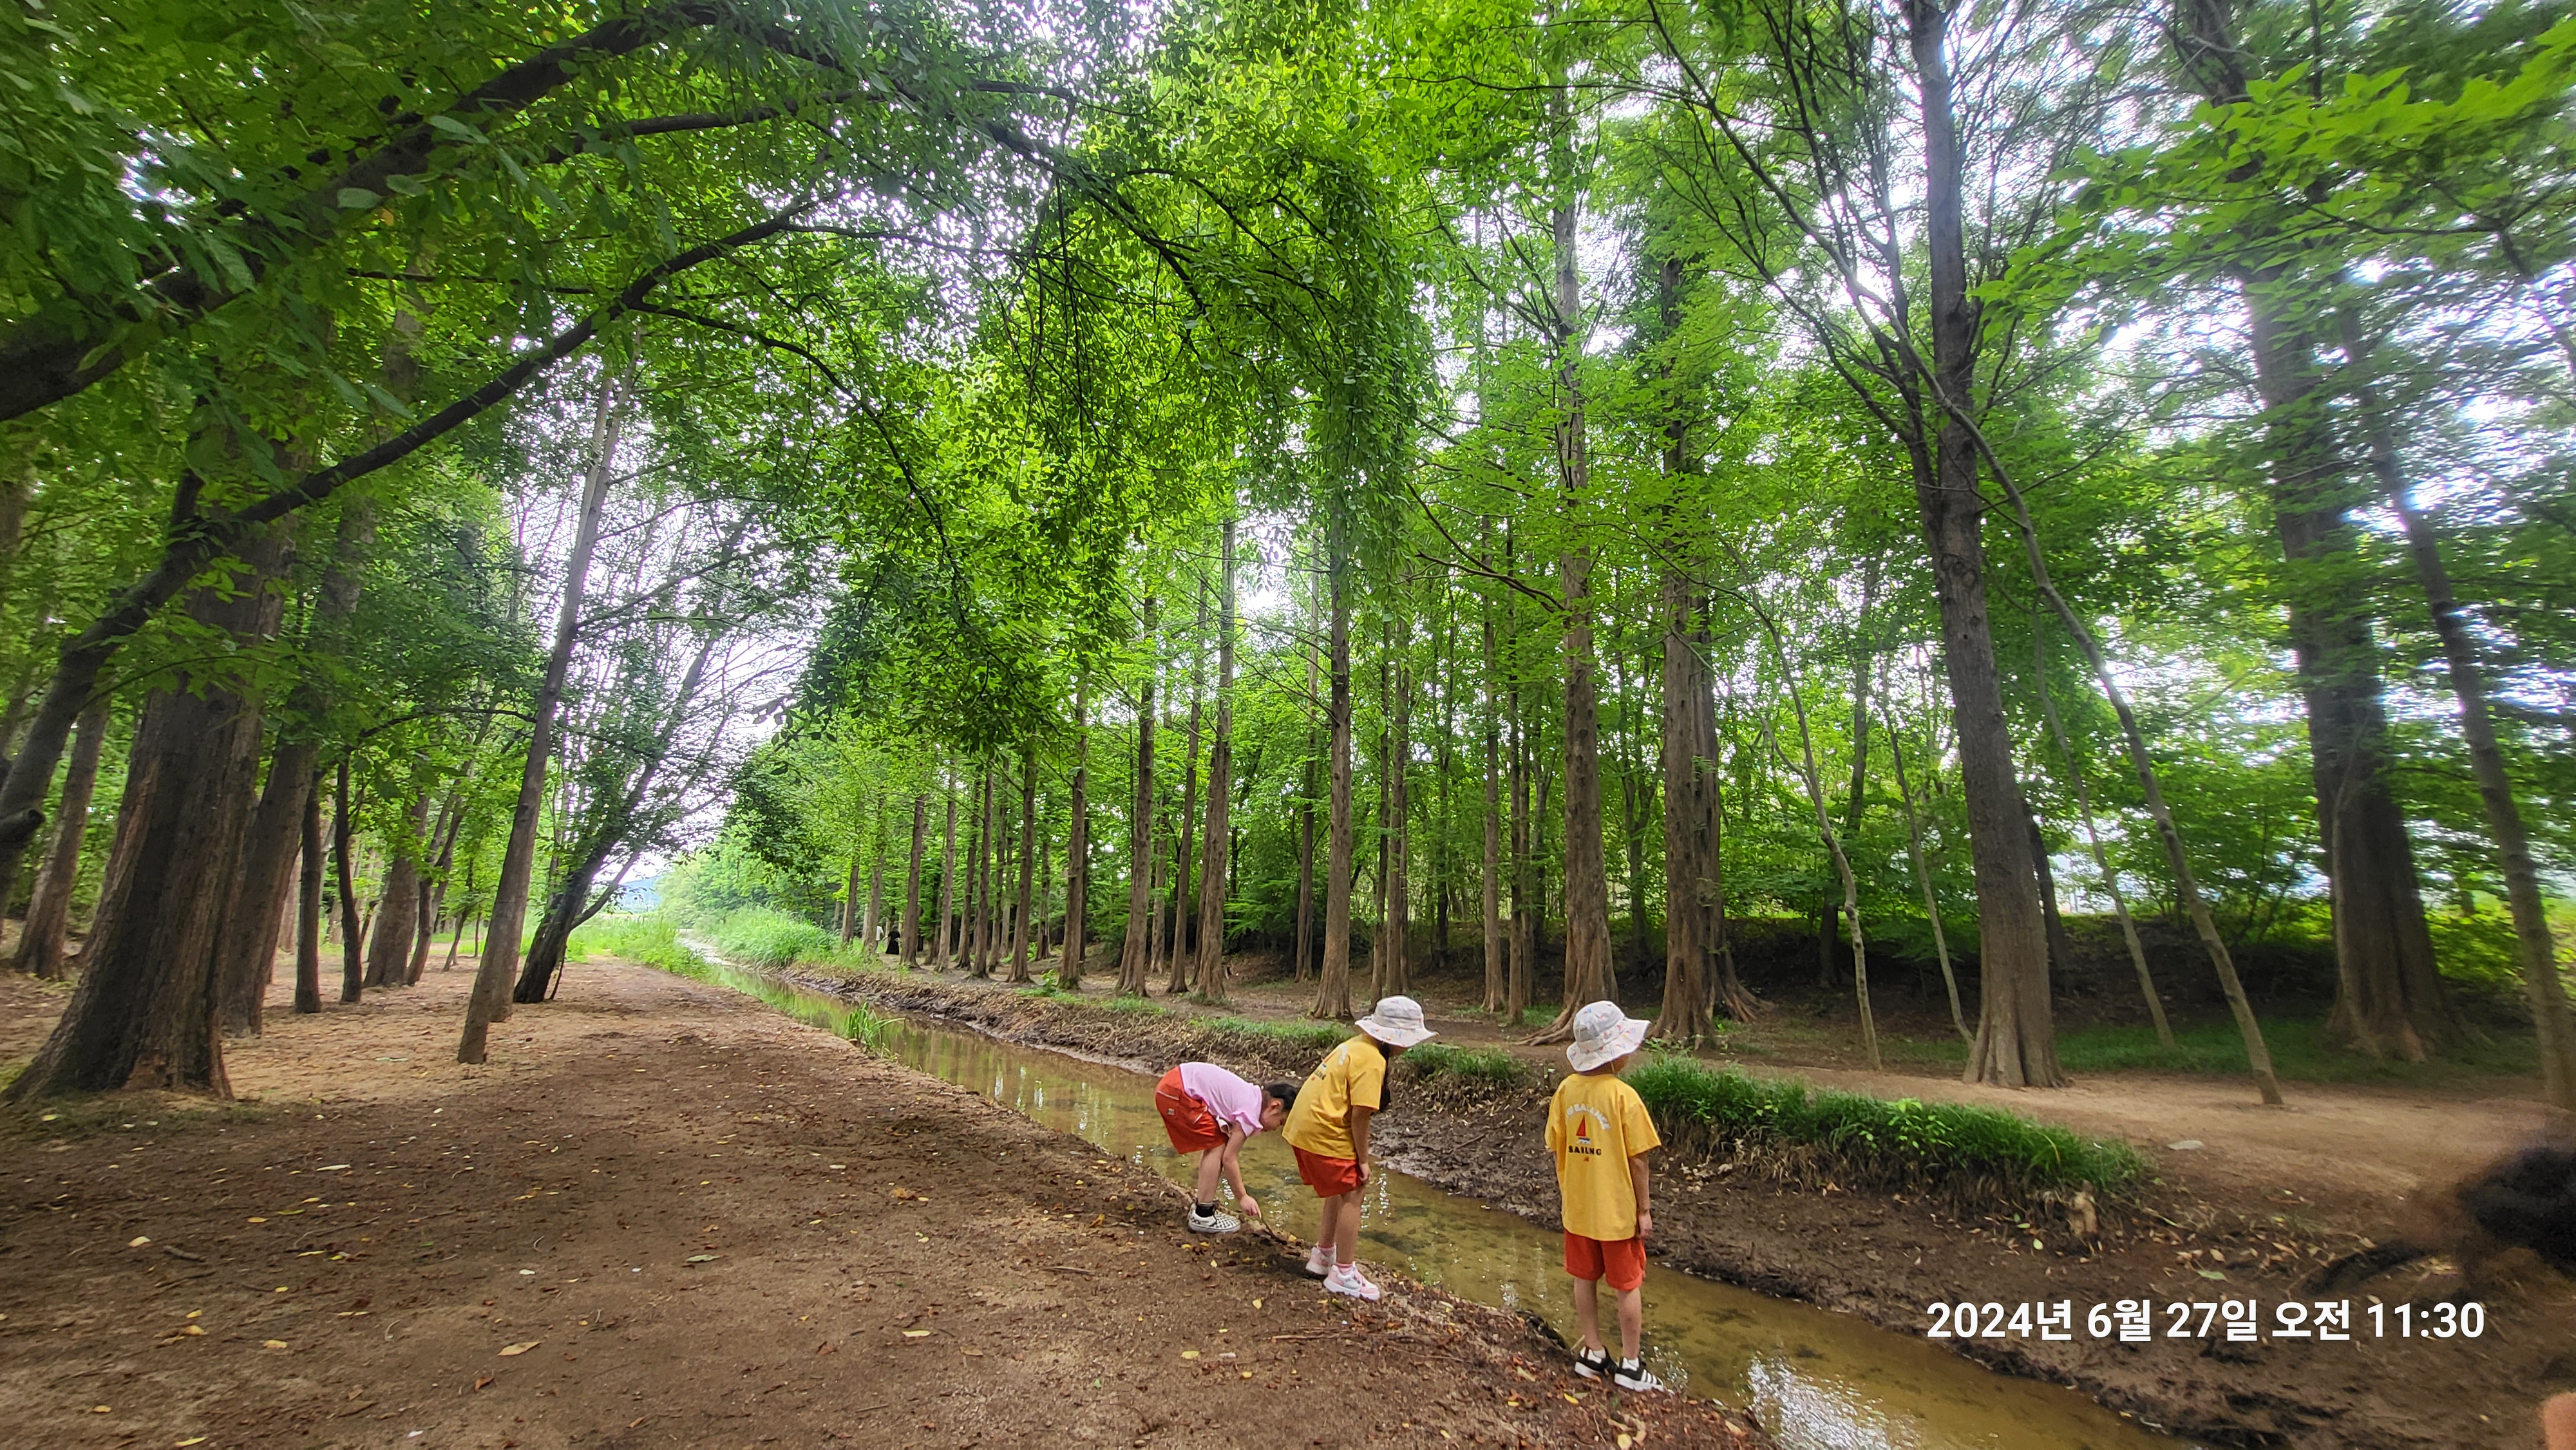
{"type": "Point", "coordinates": [665, 1215]}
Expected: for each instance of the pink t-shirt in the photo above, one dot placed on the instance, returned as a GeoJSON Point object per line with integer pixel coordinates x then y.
{"type": "Point", "coordinates": [1230, 1098]}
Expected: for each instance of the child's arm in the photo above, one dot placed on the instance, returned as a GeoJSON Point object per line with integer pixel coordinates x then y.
{"type": "Point", "coordinates": [1359, 1138]}
{"type": "Point", "coordinates": [1232, 1157]}
{"type": "Point", "coordinates": [1637, 1183]}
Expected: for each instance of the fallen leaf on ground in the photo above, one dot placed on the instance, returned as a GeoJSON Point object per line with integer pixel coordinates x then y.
{"type": "Point", "coordinates": [481, 1380]}
{"type": "Point", "coordinates": [508, 1350]}
{"type": "Point", "coordinates": [137, 1242]}
{"type": "Point", "coordinates": [916, 1334]}
{"type": "Point", "coordinates": [702, 1258]}
{"type": "Point", "coordinates": [1189, 1354]}
{"type": "Point", "coordinates": [272, 1344]}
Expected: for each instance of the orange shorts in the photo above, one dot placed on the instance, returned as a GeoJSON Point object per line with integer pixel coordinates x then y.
{"type": "Point", "coordinates": [1192, 1127]}
{"type": "Point", "coordinates": [1622, 1262]}
{"type": "Point", "coordinates": [1327, 1176]}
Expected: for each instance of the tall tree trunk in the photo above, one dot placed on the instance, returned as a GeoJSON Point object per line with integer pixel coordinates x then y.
{"type": "Point", "coordinates": [1184, 860]}
{"type": "Point", "coordinates": [494, 978]}
{"type": "Point", "coordinates": [259, 887]}
{"type": "Point", "coordinates": [398, 920]}
{"type": "Point", "coordinates": [850, 900]}
{"type": "Point", "coordinates": [987, 873]}
{"type": "Point", "coordinates": [1395, 923]}
{"type": "Point", "coordinates": [1492, 885]}
{"type": "Point", "coordinates": [875, 922]}
{"type": "Point", "coordinates": [1306, 844]}
{"type": "Point", "coordinates": [308, 901]}
{"type": "Point", "coordinates": [2016, 1042]}
{"type": "Point", "coordinates": [1218, 867]}
{"type": "Point", "coordinates": [1524, 943]}
{"type": "Point", "coordinates": [2535, 952]}
{"type": "Point", "coordinates": [912, 882]}
{"type": "Point", "coordinates": [1923, 876]}
{"type": "Point", "coordinates": [1587, 883]}
{"type": "Point", "coordinates": [143, 1015]}
{"type": "Point", "coordinates": [49, 911]}
{"type": "Point", "coordinates": [2061, 947]}
{"type": "Point", "coordinates": [1077, 853]}
{"type": "Point", "coordinates": [1690, 821]}
{"type": "Point", "coordinates": [353, 969]}
{"type": "Point", "coordinates": [2389, 997]}
{"type": "Point", "coordinates": [1135, 956]}
{"type": "Point", "coordinates": [1333, 979]}
{"type": "Point", "coordinates": [1029, 864]}
{"type": "Point", "coordinates": [942, 932]}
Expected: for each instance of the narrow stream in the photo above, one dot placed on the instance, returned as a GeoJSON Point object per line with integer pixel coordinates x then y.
{"type": "Point", "coordinates": [1818, 1380]}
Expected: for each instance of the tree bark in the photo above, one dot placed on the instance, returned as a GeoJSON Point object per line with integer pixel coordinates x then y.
{"type": "Point", "coordinates": [493, 979]}
{"type": "Point", "coordinates": [308, 901]}
{"type": "Point", "coordinates": [1333, 979]}
{"type": "Point", "coordinates": [1136, 954]}
{"type": "Point", "coordinates": [353, 970]}
{"type": "Point", "coordinates": [912, 881]}
{"type": "Point", "coordinates": [1587, 883]}
{"type": "Point", "coordinates": [143, 1015]}
{"type": "Point", "coordinates": [1077, 853]}
{"type": "Point", "coordinates": [2389, 997]}
{"type": "Point", "coordinates": [1306, 842]}
{"type": "Point", "coordinates": [875, 921]}
{"type": "Point", "coordinates": [1184, 860]}
{"type": "Point", "coordinates": [2061, 947]}
{"type": "Point", "coordinates": [943, 930]}
{"type": "Point", "coordinates": [2535, 951]}
{"type": "Point", "coordinates": [1691, 823]}
{"type": "Point", "coordinates": [397, 921]}
{"type": "Point", "coordinates": [49, 911]}
{"type": "Point", "coordinates": [1020, 937]}
{"type": "Point", "coordinates": [2016, 1042]}
{"type": "Point", "coordinates": [1217, 869]}
{"type": "Point", "coordinates": [1492, 885]}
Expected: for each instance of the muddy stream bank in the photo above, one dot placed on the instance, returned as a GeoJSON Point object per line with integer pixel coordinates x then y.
{"type": "Point", "coordinates": [1816, 1380]}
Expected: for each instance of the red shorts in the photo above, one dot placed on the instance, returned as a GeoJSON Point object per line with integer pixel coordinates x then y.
{"type": "Point", "coordinates": [1622, 1262]}
{"type": "Point", "coordinates": [1193, 1128]}
{"type": "Point", "coordinates": [1327, 1176]}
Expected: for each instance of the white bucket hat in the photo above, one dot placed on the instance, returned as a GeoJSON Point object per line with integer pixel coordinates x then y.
{"type": "Point", "coordinates": [1397, 1022]}
{"type": "Point", "coordinates": [1603, 1033]}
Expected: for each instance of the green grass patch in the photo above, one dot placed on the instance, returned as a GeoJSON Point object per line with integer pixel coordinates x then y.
{"type": "Point", "coordinates": [650, 940]}
{"type": "Point", "coordinates": [1136, 1004]}
{"type": "Point", "coordinates": [2300, 1053]}
{"type": "Point", "coordinates": [1319, 1036]}
{"type": "Point", "coordinates": [771, 939]}
{"type": "Point", "coordinates": [1481, 1066]}
{"type": "Point", "coordinates": [1898, 1141]}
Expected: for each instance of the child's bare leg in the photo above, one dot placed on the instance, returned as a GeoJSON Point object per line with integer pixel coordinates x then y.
{"type": "Point", "coordinates": [1632, 1320]}
{"type": "Point", "coordinates": [1587, 1313]}
{"type": "Point", "coordinates": [1343, 1213]}
{"type": "Point", "coordinates": [1209, 1164]}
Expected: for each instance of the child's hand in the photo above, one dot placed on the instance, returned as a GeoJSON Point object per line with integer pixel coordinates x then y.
{"type": "Point", "coordinates": [1645, 1223]}
{"type": "Point", "coordinates": [1251, 1208]}
{"type": "Point", "coordinates": [1364, 1175]}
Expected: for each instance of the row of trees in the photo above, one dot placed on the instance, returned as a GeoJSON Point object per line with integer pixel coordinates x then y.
{"type": "Point", "coordinates": [1313, 468]}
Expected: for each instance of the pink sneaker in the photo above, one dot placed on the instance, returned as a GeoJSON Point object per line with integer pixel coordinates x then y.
{"type": "Point", "coordinates": [1347, 1279]}
{"type": "Point", "coordinates": [1319, 1261]}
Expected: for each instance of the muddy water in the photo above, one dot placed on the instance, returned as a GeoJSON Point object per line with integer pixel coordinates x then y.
{"type": "Point", "coordinates": [1817, 1380]}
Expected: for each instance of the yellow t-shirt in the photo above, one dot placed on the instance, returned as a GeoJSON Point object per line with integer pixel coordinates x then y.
{"type": "Point", "coordinates": [1351, 1074]}
{"type": "Point", "coordinates": [1595, 1124]}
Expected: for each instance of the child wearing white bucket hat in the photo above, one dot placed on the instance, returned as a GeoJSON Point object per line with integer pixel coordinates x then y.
{"type": "Point", "coordinates": [1600, 1132]}
{"type": "Point", "coordinates": [1329, 1130]}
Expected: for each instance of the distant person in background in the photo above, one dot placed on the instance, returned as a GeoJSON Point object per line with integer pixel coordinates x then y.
{"type": "Point", "coordinates": [1209, 1111]}
{"type": "Point", "coordinates": [1329, 1129]}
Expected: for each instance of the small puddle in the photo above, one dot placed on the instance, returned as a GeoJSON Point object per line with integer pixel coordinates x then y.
{"type": "Point", "coordinates": [1818, 1380]}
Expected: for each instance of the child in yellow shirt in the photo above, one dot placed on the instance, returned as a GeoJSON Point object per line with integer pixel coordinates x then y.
{"type": "Point", "coordinates": [1329, 1129]}
{"type": "Point", "coordinates": [1600, 1132]}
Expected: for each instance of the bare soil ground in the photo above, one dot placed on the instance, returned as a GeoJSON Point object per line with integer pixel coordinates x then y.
{"type": "Point", "coordinates": [664, 1215]}
{"type": "Point", "coordinates": [2269, 1196]}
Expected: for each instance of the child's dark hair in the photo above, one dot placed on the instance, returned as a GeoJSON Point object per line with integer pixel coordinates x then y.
{"type": "Point", "coordinates": [1284, 1092]}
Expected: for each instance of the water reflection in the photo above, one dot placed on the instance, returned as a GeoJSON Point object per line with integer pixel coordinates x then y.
{"type": "Point", "coordinates": [1820, 1381]}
